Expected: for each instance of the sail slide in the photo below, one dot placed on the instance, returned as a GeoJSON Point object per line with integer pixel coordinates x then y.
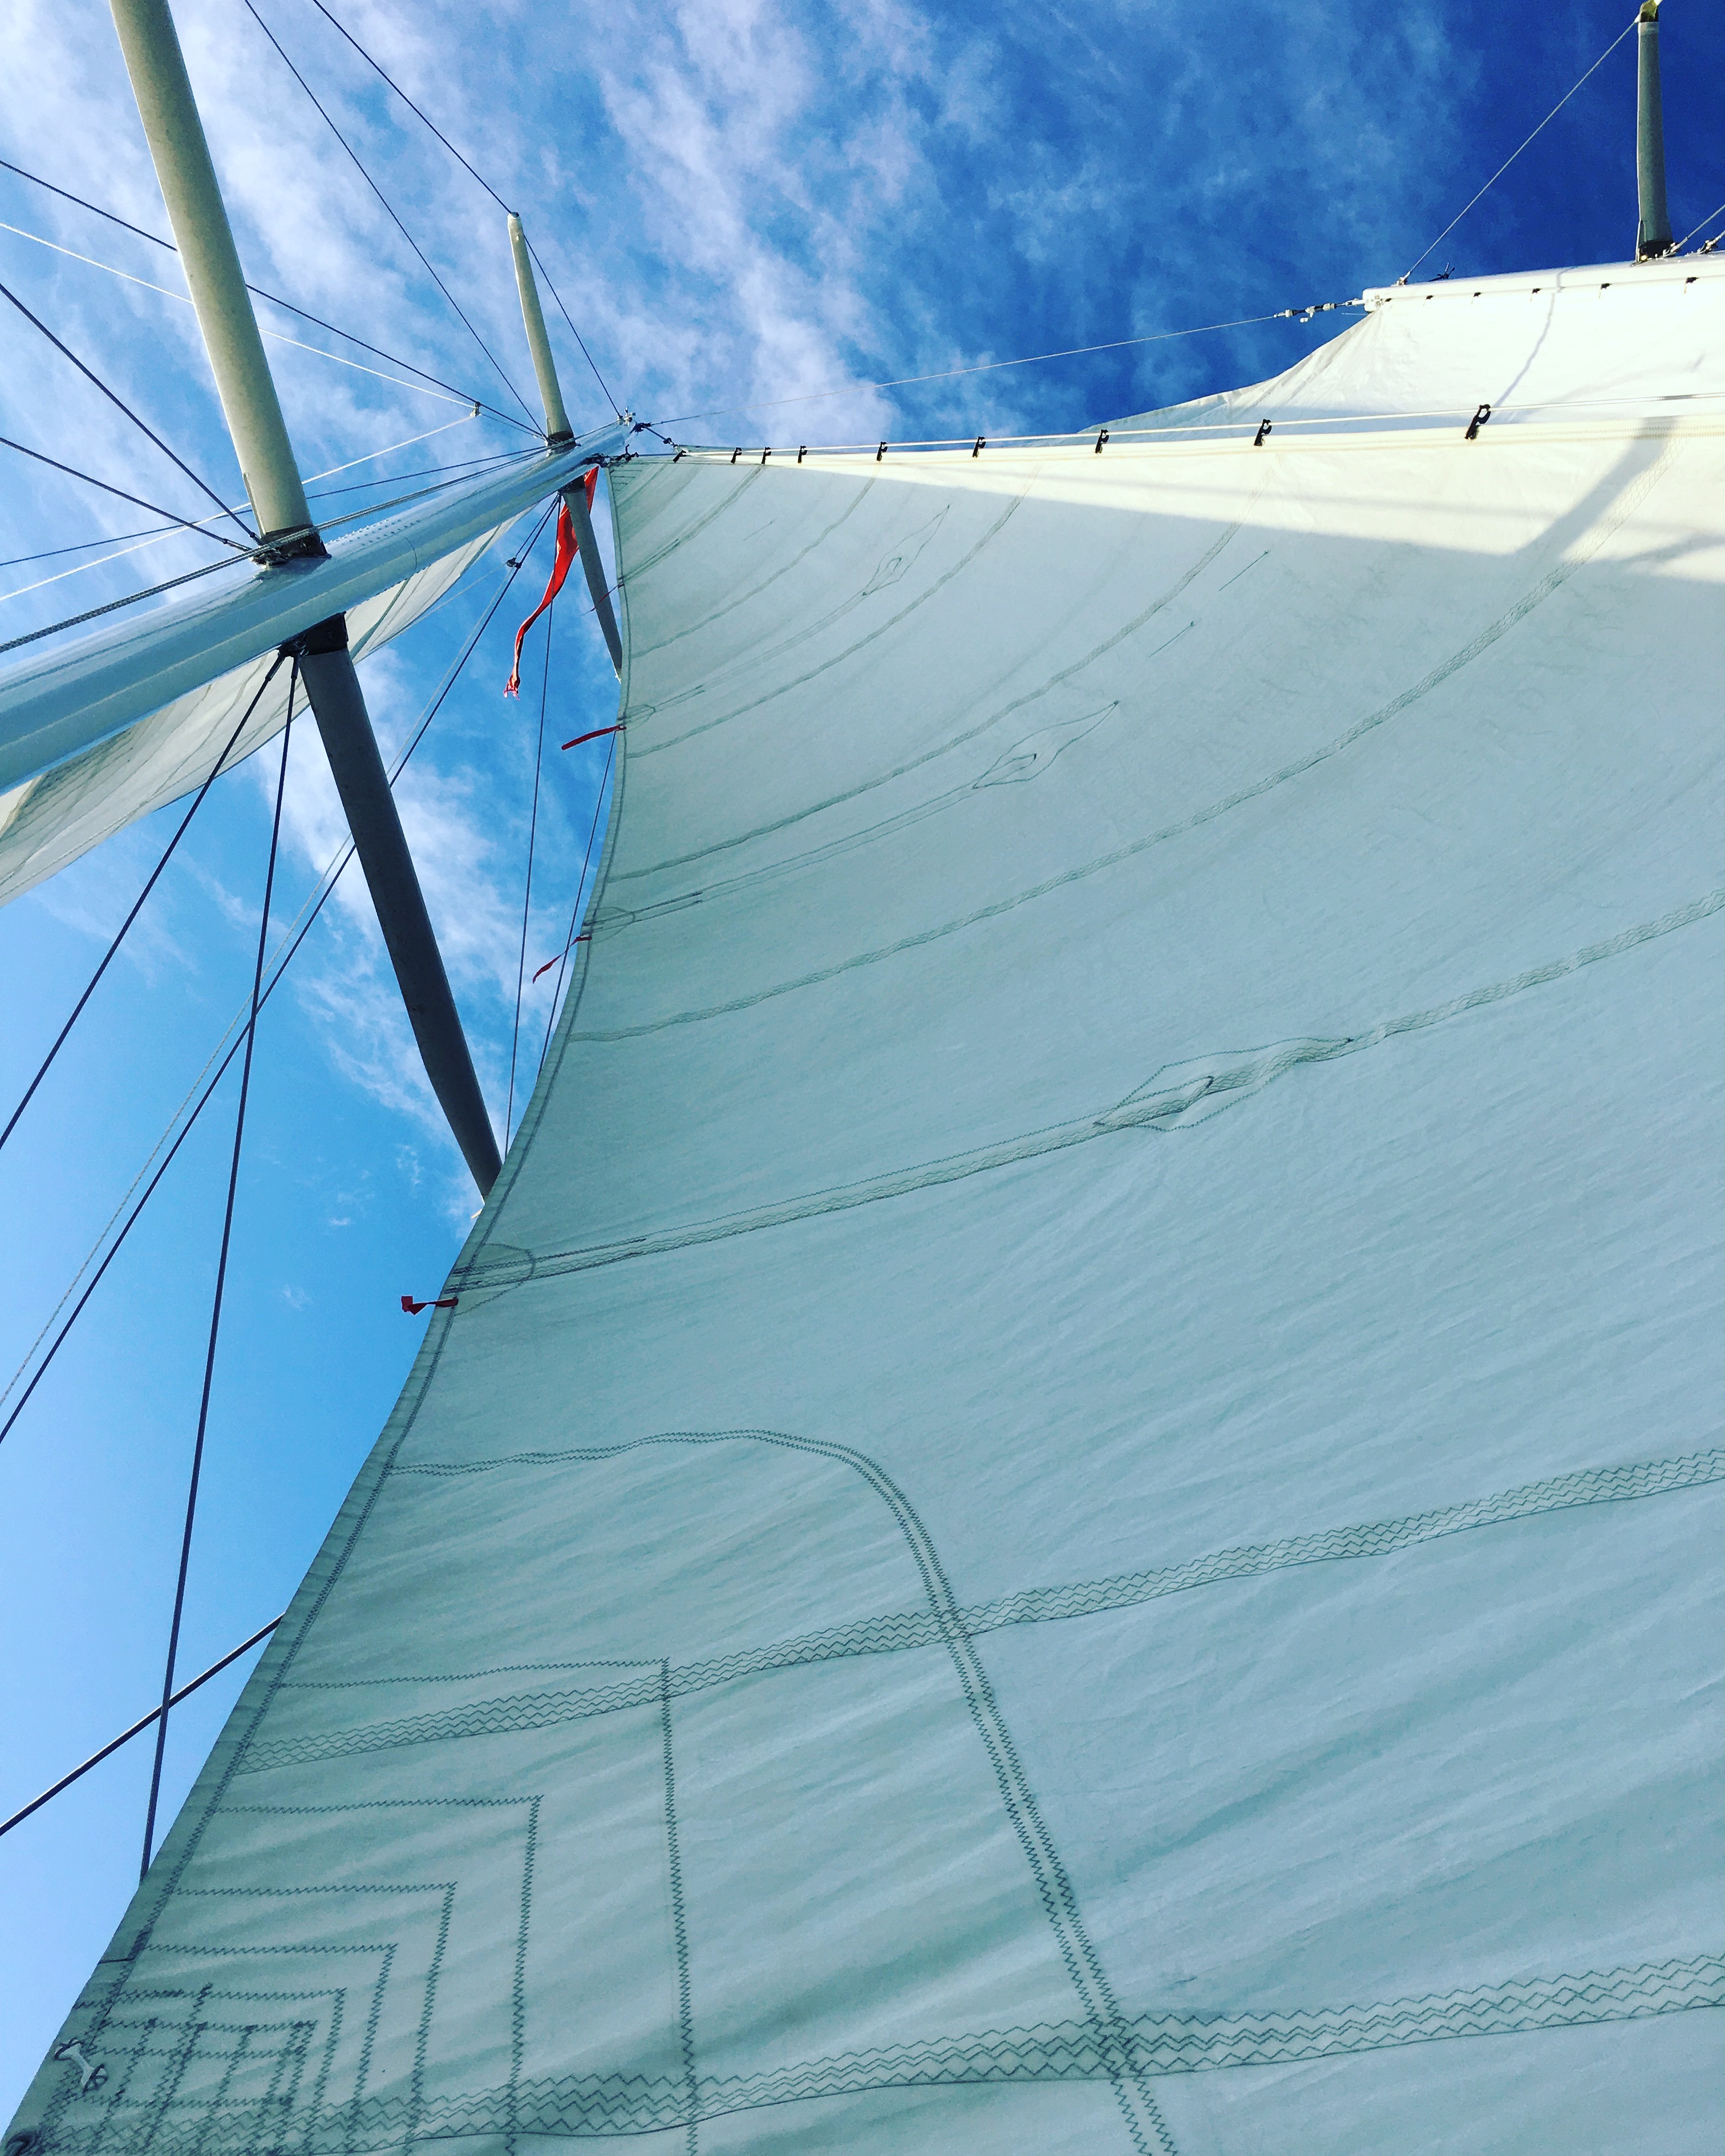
{"type": "Point", "coordinates": [49, 820]}
{"type": "Point", "coordinates": [1071, 1501]}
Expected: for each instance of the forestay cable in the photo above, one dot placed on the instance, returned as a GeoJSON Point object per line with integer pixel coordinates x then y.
{"type": "Point", "coordinates": [215, 1320]}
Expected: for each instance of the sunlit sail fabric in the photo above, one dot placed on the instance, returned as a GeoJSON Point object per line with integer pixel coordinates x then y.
{"type": "Point", "coordinates": [1072, 1499]}
{"type": "Point", "coordinates": [48, 821]}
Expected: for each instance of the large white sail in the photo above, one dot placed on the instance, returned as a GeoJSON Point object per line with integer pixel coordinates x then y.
{"type": "Point", "coordinates": [1071, 1502]}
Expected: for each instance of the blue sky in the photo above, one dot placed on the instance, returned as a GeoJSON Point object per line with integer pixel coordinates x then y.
{"type": "Point", "coordinates": [737, 203]}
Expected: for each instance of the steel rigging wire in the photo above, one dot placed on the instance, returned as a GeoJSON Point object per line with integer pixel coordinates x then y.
{"type": "Point", "coordinates": [258, 291]}
{"type": "Point", "coordinates": [137, 500]}
{"type": "Point", "coordinates": [1517, 152]}
{"type": "Point", "coordinates": [215, 1320]}
{"type": "Point", "coordinates": [108, 955]}
{"type": "Point", "coordinates": [90, 375]}
{"type": "Point", "coordinates": [295, 937]}
{"type": "Point", "coordinates": [389, 209]}
{"type": "Point", "coordinates": [425, 117]}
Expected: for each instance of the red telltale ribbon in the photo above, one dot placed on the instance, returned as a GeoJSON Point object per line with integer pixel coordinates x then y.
{"type": "Point", "coordinates": [559, 570]}
{"type": "Point", "coordinates": [414, 1308]}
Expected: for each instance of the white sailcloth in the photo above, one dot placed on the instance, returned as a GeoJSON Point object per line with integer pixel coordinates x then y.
{"type": "Point", "coordinates": [49, 820]}
{"type": "Point", "coordinates": [1072, 1501]}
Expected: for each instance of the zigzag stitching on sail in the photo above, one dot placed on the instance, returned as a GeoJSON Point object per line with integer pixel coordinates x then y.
{"type": "Point", "coordinates": [1160, 1111]}
{"type": "Point", "coordinates": [905, 1629]}
{"type": "Point", "coordinates": [1049, 1876]}
{"type": "Point", "coordinates": [1628, 502]}
{"type": "Point", "coordinates": [602, 2105]}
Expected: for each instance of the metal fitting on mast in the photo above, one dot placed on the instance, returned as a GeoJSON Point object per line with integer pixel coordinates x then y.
{"type": "Point", "coordinates": [1654, 235]}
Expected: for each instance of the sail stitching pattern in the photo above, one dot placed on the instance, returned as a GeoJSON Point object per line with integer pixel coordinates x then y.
{"type": "Point", "coordinates": [906, 1630]}
{"type": "Point", "coordinates": [600, 2107]}
{"type": "Point", "coordinates": [851, 650]}
{"type": "Point", "coordinates": [100, 2001]}
{"type": "Point", "coordinates": [1578, 557]}
{"type": "Point", "coordinates": [742, 597]}
{"type": "Point", "coordinates": [1055, 680]}
{"type": "Point", "coordinates": [1044, 688]}
{"type": "Point", "coordinates": [1177, 1107]}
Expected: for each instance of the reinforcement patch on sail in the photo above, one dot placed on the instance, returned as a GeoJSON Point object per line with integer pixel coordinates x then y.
{"type": "Point", "coordinates": [1071, 1499]}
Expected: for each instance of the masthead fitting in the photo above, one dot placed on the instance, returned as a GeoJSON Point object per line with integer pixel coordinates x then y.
{"type": "Point", "coordinates": [181, 155]}
{"type": "Point", "coordinates": [1653, 237]}
{"type": "Point", "coordinates": [558, 429]}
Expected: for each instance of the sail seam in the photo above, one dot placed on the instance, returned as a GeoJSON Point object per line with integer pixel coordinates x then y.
{"type": "Point", "coordinates": [906, 1630]}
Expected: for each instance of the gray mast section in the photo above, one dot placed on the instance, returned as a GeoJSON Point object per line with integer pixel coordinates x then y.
{"type": "Point", "coordinates": [181, 155]}
{"type": "Point", "coordinates": [558, 431]}
{"type": "Point", "coordinates": [1654, 236]}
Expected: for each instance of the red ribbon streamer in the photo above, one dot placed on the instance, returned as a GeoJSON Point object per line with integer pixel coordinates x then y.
{"type": "Point", "coordinates": [585, 936]}
{"type": "Point", "coordinates": [559, 570]}
{"type": "Point", "coordinates": [414, 1308]}
{"type": "Point", "coordinates": [598, 733]}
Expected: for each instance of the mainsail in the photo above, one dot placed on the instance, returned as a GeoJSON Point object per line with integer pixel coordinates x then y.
{"type": "Point", "coordinates": [1069, 1500]}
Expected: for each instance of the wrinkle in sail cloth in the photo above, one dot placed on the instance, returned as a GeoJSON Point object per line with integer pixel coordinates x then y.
{"type": "Point", "coordinates": [561, 561]}
{"type": "Point", "coordinates": [1070, 1500]}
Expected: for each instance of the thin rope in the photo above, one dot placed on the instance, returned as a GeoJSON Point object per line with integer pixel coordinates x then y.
{"type": "Point", "coordinates": [384, 199]}
{"type": "Point", "coordinates": [557, 986]}
{"type": "Point", "coordinates": [604, 390]}
{"type": "Point", "coordinates": [474, 173]}
{"type": "Point", "coordinates": [1517, 152]}
{"type": "Point", "coordinates": [137, 500]}
{"type": "Point", "coordinates": [215, 1319]}
{"type": "Point", "coordinates": [413, 108]}
{"type": "Point", "coordinates": [120, 404]}
{"type": "Point", "coordinates": [139, 1726]}
{"type": "Point", "coordinates": [1700, 228]}
{"type": "Point", "coordinates": [158, 532]}
{"type": "Point", "coordinates": [112, 950]}
{"type": "Point", "coordinates": [184, 300]}
{"type": "Point", "coordinates": [521, 971]}
{"type": "Point", "coordinates": [991, 365]}
{"type": "Point", "coordinates": [258, 291]}
{"type": "Point", "coordinates": [294, 937]}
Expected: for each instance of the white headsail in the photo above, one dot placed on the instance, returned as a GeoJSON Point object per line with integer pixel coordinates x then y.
{"type": "Point", "coordinates": [1069, 1500]}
